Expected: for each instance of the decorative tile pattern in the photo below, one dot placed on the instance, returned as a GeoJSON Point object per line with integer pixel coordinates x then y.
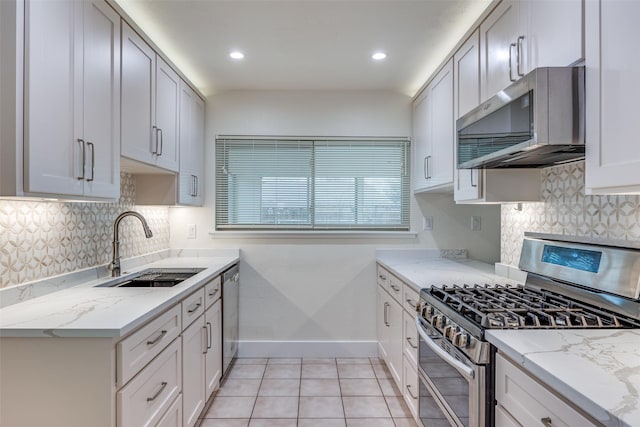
{"type": "Point", "coordinates": [565, 209]}
{"type": "Point", "coordinates": [44, 239]}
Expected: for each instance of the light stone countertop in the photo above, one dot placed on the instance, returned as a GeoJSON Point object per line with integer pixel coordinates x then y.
{"type": "Point", "coordinates": [597, 370]}
{"type": "Point", "coordinates": [424, 268]}
{"type": "Point", "coordinates": [89, 311]}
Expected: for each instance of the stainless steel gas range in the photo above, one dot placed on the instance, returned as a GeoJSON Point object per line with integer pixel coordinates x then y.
{"type": "Point", "coordinates": [570, 284]}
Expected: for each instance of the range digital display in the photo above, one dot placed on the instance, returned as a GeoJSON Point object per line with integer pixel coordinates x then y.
{"type": "Point", "coordinates": [578, 259]}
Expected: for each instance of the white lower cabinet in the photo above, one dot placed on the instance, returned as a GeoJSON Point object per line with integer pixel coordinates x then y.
{"type": "Point", "coordinates": [146, 398]}
{"type": "Point", "coordinates": [213, 356]}
{"type": "Point", "coordinates": [523, 401]}
{"type": "Point", "coordinates": [410, 381]}
{"type": "Point", "coordinates": [194, 347]}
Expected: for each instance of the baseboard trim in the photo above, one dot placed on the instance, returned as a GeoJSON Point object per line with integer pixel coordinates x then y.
{"type": "Point", "coordinates": [266, 348]}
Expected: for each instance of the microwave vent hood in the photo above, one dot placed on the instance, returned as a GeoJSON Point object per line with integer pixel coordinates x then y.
{"type": "Point", "coordinates": [535, 122]}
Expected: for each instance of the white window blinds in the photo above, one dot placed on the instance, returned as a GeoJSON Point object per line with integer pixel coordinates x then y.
{"type": "Point", "coordinates": [309, 183]}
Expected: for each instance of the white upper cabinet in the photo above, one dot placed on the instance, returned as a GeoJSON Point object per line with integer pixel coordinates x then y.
{"type": "Point", "coordinates": [71, 99]}
{"type": "Point", "coordinates": [150, 93]}
{"type": "Point", "coordinates": [519, 36]}
{"type": "Point", "coordinates": [612, 90]}
{"type": "Point", "coordinates": [484, 185]}
{"type": "Point", "coordinates": [433, 132]}
{"type": "Point", "coordinates": [191, 179]}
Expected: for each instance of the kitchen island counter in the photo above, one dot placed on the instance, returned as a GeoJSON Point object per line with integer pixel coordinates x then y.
{"type": "Point", "coordinates": [87, 310]}
{"type": "Point", "coordinates": [597, 370]}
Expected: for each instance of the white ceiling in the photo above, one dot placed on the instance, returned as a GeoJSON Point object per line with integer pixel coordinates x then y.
{"type": "Point", "coordinates": [305, 44]}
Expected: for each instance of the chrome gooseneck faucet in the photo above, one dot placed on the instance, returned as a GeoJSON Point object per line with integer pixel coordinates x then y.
{"type": "Point", "coordinates": [115, 263]}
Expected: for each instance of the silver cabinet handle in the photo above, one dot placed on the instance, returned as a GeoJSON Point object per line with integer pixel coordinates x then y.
{"type": "Point", "coordinates": [386, 320]}
{"type": "Point", "coordinates": [158, 338]}
{"type": "Point", "coordinates": [193, 185]}
{"type": "Point", "coordinates": [215, 291]}
{"type": "Point", "coordinates": [93, 160]}
{"type": "Point", "coordinates": [209, 339]}
{"type": "Point", "coordinates": [382, 277]}
{"type": "Point", "coordinates": [206, 347]}
{"type": "Point", "coordinates": [464, 370]}
{"type": "Point", "coordinates": [411, 343]}
{"type": "Point", "coordinates": [546, 422]}
{"type": "Point", "coordinates": [155, 129]}
{"type": "Point", "coordinates": [161, 142]}
{"type": "Point", "coordinates": [411, 302]}
{"type": "Point", "coordinates": [395, 288]}
{"type": "Point", "coordinates": [82, 145]}
{"type": "Point", "coordinates": [427, 172]}
{"type": "Point", "coordinates": [511, 46]}
{"type": "Point", "coordinates": [519, 55]}
{"type": "Point", "coordinates": [194, 308]}
{"type": "Point", "coordinates": [411, 393]}
{"type": "Point", "coordinates": [471, 177]}
{"type": "Point", "coordinates": [162, 386]}
{"type": "Point", "coordinates": [197, 185]}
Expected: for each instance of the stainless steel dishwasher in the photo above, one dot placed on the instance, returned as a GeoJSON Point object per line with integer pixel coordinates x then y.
{"type": "Point", "coordinates": [230, 312]}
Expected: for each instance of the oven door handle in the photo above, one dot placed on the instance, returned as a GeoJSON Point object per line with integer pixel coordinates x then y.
{"type": "Point", "coordinates": [464, 370]}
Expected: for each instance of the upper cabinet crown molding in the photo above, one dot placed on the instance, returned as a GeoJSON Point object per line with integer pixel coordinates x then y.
{"type": "Point", "coordinates": [612, 91]}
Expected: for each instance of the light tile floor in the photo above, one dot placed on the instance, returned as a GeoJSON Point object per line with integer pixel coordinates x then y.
{"type": "Point", "coordinates": [308, 392]}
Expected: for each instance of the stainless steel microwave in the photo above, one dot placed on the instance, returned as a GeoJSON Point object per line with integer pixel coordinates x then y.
{"type": "Point", "coordinates": [537, 121]}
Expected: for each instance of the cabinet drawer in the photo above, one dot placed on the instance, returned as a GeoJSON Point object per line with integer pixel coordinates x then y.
{"type": "Point", "coordinates": [212, 292]}
{"type": "Point", "coordinates": [396, 288]}
{"type": "Point", "coordinates": [410, 299]}
{"type": "Point", "coordinates": [529, 402]}
{"type": "Point", "coordinates": [383, 278]}
{"type": "Point", "coordinates": [147, 397]}
{"type": "Point", "coordinates": [138, 349]}
{"type": "Point", "coordinates": [410, 341]}
{"type": "Point", "coordinates": [192, 307]}
{"type": "Point", "coordinates": [173, 416]}
{"type": "Point", "coordinates": [410, 381]}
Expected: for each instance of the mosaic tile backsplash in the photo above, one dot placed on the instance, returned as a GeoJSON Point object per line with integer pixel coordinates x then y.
{"type": "Point", "coordinates": [565, 209]}
{"type": "Point", "coordinates": [44, 239]}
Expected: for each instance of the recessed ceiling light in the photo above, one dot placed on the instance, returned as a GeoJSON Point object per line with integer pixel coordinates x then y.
{"type": "Point", "coordinates": [379, 56]}
{"type": "Point", "coordinates": [236, 54]}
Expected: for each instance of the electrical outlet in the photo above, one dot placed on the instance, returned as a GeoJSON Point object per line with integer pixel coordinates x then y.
{"type": "Point", "coordinates": [476, 223]}
{"type": "Point", "coordinates": [427, 223]}
{"type": "Point", "coordinates": [191, 231]}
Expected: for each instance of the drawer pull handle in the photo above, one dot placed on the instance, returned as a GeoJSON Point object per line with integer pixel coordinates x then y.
{"type": "Point", "coordinates": [411, 343]}
{"type": "Point", "coordinates": [162, 386]}
{"type": "Point", "coordinates": [382, 277]}
{"type": "Point", "coordinates": [411, 302]}
{"type": "Point", "coordinates": [395, 288]}
{"type": "Point", "coordinates": [411, 393]}
{"type": "Point", "coordinates": [194, 308]}
{"type": "Point", "coordinates": [546, 422]}
{"type": "Point", "coordinates": [215, 291]}
{"type": "Point", "coordinates": [158, 338]}
{"type": "Point", "coordinates": [206, 332]}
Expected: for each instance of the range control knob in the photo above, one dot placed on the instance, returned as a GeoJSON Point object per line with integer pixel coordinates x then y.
{"type": "Point", "coordinates": [437, 321]}
{"type": "Point", "coordinates": [460, 339]}
{"type": "Point", "coordinates": [449, 331]}
{"type": "Point", "coordinates": [428, 311]}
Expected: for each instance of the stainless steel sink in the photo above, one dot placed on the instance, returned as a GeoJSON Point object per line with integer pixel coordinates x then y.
{"type": "Point", "coordinates": [153, 278]}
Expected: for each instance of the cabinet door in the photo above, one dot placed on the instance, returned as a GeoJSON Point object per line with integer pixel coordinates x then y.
{"type": "Point", "coordinates": [101, 100]}
{"type": "Point", "coordinates": [381, 324]}
{"type": "Point", "coordinates": [498, 65]}
{"type": "Point", "coordinates": [198, 150]}
{"type": "Point", "coordinates": [421, 140]}
{"type": "Point", "coordinates": [410, 390]}
{"type": "Point", "coordinates": [466, 90]}
{"type": "Point", "coordinates": [396, 339]}
{"type": "Point", "coordinates": [194, 347]}
{"type": "Point", "coordinates": [548, 22]}
{"type": "Point", "coordinates": [191, 147]}
{"type": "Point", "coordinates": [138, 138]}
{"type": "Point", "coordinates": [53, 97]}
{"type": "Point", "coordinates": [167, 100]}
{"type": "Point", "coordinates": [442, 128]}
{"type": "Point", "coordinates": [213, 358]}
{"type": "Point", "coordinates": [612, 90]}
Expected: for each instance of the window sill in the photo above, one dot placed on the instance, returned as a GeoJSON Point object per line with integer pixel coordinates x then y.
{"type": "Point", "coordinates": [313, 234]}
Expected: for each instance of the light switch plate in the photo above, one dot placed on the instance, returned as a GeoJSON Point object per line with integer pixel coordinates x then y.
{"type": "Point", "coordinates": [476, 223]}
{"type": "Point", "coordinates": [427, 223]}
{"type": "Point", "coordinates": [191, 231]}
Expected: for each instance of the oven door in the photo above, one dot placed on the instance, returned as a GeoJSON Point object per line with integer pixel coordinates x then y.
{"type": "Point", "coordinates": [452, 388]}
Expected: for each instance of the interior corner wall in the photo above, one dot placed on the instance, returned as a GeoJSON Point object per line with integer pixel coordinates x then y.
{"type": "Point", "coordinates": [297, 292]}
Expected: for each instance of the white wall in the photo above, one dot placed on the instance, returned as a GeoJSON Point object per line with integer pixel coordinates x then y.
{"type": "Point", "coordinates": [319, 289]}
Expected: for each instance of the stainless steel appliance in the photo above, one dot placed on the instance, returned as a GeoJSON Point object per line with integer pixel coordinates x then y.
{"type": "Point", "coordinates": [535, 122]}
{"type": "Point", "coordinates": [230, 316]}
{"type": "Point", "coordinates": [571, 283]}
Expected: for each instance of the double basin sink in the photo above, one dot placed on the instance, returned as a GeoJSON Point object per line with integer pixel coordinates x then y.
{"type": "Point", "coordinates": [153, 278]}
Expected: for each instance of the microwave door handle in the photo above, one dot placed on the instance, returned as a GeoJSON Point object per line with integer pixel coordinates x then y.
{"type": "Point", "coordinates": [464, 370]}
{"type": "Point", "coordinates": [511, 46]}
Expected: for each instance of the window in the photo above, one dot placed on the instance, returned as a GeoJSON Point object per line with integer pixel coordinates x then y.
{"type": "Point", "coordinates": [315, 184]}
